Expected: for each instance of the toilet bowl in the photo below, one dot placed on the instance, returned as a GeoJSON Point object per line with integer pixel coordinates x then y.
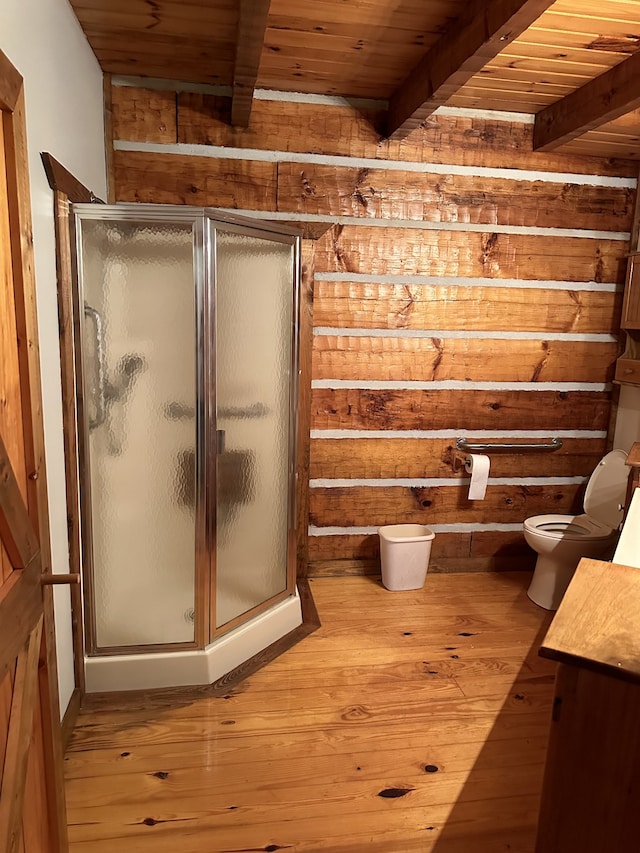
{"type": "Point", "coordinates": [561, 540]}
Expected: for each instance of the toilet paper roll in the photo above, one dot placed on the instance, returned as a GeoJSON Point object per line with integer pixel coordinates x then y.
{"type": "Point", "coordinates": [478, 466]}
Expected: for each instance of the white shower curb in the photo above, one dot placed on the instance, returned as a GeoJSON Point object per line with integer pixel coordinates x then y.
{"type": "Point", "coordinates": [186, 668]}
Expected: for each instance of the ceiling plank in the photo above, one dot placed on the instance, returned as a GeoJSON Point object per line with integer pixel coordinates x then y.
{"type": "Point", "coordinates": [475, 38]}
{"type": "Point", "coordinates": [252, 26]}
{"type": "Point", "coordinates": [603, 99]}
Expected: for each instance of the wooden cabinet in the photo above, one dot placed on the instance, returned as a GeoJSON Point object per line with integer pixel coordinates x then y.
{"type": "Point", "coordinates": [591, 791]}
{"type": "Point", "coordinates": [628, 365]}
{"type": "Point", "coordinates": [631, 304]}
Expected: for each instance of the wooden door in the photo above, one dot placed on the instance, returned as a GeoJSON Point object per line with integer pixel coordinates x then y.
{"type": "Point", "coordinates": [32, 816]}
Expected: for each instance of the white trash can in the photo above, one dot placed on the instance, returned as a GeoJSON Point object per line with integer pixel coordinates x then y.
{"type": "Point", "coordinates": [404, 555]}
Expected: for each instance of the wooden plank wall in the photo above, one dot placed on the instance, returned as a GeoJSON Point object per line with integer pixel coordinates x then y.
{"type": "Point", "coordinates": [466, 286]}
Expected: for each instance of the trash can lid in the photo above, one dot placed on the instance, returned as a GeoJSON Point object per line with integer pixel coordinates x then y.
{"type": "Point", "coordinates": [406, 533]}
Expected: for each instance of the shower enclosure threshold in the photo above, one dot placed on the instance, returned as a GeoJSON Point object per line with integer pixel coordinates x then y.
{"type": "Point", "coordinates": [182, 669]}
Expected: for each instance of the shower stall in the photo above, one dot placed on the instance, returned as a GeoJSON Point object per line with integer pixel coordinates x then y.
{"type": "Point", "coordinates": [186, 342]}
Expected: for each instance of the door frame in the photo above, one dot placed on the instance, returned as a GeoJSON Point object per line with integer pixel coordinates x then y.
{"type": "Point", "coordinates": [68, 190]}
{"type": "Point", "coordinates": [39, 651]}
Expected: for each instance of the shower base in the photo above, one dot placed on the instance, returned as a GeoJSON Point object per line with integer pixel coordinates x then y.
{"type": "Point", "coordinates": [185, 668]}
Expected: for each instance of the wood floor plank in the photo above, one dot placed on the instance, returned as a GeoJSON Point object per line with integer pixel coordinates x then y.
{"type": "Point", "coordinates": [206, 788]}
{"type": "Point", "coordinates": [465, 625]}
{"type": "Point", "coordinates": [418, 639]}
{"type": "Point", "coordinates": [399, 753]}
{"type": "Point", "coordinates": [519, 688]}
{"type": "Point", "coordinates": [229, 811]}
{"type": "Point", "coordinates": [391, 674]}
{"type": "Point", "coordinates": [360, 709]}
{"type": "Point", "coordinates": [324, 750]}
{"type": "Point", "coordinates": [260, 830]}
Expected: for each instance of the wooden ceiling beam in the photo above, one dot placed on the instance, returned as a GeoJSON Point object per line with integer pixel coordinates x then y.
{"type": "Point", "coordinates": [252, 26]}
{"type": "Point", "coordinates": [472, 40]}
{"type": "Point", "coordinates": [605, 98]}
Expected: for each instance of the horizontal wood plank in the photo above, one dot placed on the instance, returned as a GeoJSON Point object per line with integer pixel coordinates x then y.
{"type": "Point", "coordinates": [404, 829]}
{"type": "Point", "coordinates": [526, 97]}
{"type": "Point", "coordinates": [92, 764]}
{"type": "Point", "coordinates": [118, 62]}
{"type": "Point", "coordinates": [395, 251]}
{"type": "Point", "coordinates": [174, 13]}
{"type": "Point", "coordinates": [370, 506]}
{"type": "Point", "coordinates": [168, 179]}
{"type": "Point", "coordinates": [155, 47]}
{"type": "Point", "coordinates": [346, 408]}
{"type": "Point", "coordinates": [294, 769]}
{"type": "Point", "coordinates": [197, 785]}
{"type": "Point", "coordinates": [149, 115]}
{"type": "Point", "coordinates": [330, 190]}
{"type": "Point", "coordinates": [367, 546]}
{"type": "Point", "coordinates": [333, 716]}
{"type": "Point", "coordinates": [471, 360]}
{"type": "Point", "coordinates": [368, 458]}
{"type": "Point", "coordinates": [404, 306]}
{"type": "Point", "coordinates": [508, 545]}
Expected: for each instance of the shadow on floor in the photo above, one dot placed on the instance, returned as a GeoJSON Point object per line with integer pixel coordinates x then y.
{"type": "Point", "coordinates": [497, 809]}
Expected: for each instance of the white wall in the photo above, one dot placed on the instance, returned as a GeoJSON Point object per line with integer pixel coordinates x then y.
{"type": "Point", "coordinates": [627, 418]}
{"type": "Point", "coordinates": [63, 89]}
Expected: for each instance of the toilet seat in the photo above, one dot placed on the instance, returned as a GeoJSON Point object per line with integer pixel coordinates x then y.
{"type": "Point", "coordinates": [568, 527]}
{"type": "Point", "coordinates": [603, 500]}
{"type": "Point", "coordinates": [606, 490]}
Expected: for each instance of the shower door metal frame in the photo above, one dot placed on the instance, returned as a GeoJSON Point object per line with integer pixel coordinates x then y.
{"type": "Point", "coordinates": [204, 223]}
{"type": "Point", "coordinates": [218, 221]}
{"type": "Point", "coordinates": [139, 215]}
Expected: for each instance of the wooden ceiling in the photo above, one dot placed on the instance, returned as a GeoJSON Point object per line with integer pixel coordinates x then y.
{"type": "Point", "coordinates": [574, 63]}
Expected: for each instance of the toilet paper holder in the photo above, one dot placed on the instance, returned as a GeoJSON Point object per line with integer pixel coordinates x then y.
{"type": "Point", "coordinates": [471, 447]}
{"type": "Point", "coordinates": [464, 446]}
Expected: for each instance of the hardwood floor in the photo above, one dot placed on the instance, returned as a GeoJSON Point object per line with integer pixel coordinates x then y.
{"type": "Point", "coordinates": [409, 721]}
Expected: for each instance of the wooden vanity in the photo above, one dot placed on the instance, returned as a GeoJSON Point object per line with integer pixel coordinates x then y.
{"type": "Point", "coordinates": [591, 791]}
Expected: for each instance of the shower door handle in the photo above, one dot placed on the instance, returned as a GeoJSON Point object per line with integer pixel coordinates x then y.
{"type": "Point", "coordinates": [221, 440]}
{"type": "Point", "coordinates": [101, 409]}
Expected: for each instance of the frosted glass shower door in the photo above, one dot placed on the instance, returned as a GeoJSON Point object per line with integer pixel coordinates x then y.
{"type": "Point", "coordinates": [138, 337]}
{"type": "Point", "coordinates": [255, 399]}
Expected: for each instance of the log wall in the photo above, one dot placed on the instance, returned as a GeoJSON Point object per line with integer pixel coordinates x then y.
{"type": "Point", "coordinates": [465, 286]}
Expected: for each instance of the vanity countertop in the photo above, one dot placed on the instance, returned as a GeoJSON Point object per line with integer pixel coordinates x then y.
{"type": "Point", "coordinates": [597, 625]}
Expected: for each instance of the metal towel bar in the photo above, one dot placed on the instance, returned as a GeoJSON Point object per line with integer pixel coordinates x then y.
{"type": "Point", "coordinates": [468, 447]}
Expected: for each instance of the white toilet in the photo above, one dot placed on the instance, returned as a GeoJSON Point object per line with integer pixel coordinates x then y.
{"type": "Point", "coordinates": [561, 540]}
